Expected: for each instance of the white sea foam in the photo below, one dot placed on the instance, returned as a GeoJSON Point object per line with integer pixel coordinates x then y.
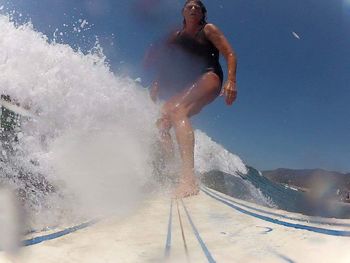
{"type": "Point", "coordinates": [89, 147]}
{"type": "Point", "coordinates": [78, 103]}
{"type": "Point", "coordinates": [210, 155]}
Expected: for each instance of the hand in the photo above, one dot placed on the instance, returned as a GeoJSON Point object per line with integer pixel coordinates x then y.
{"type": "Point", "coordinates": [230, 92]}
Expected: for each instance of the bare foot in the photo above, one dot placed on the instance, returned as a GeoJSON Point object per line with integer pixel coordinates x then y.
{"type": "Point", "coordinates": [186, 188]}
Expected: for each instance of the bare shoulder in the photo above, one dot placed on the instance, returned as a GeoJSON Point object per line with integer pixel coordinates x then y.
{"type": "Point", "coordinates": [211, 29]}
{"type": "Point", "coordinates": [172, 36]}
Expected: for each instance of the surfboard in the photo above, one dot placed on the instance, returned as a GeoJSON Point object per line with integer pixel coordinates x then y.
{"type": "Point", "coordinates": [209, 227]}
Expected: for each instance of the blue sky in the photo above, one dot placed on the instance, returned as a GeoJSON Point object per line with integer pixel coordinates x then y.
{"type": "Point", "coordinates": [292, 109]}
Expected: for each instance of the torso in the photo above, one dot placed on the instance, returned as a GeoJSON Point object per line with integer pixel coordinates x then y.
{"type": "Point", "coordinates": [198, 46]}
{"type": "Point", "coordinates": [186, 59]}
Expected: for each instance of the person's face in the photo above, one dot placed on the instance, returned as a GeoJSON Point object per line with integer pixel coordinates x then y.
{"type": "Point", "coordinates": [193, 12]}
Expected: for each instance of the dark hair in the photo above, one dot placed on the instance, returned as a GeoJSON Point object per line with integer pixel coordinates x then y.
{"type": "Point", "coordinates": [203, 8]}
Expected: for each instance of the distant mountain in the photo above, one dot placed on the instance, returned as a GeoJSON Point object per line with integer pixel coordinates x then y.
{"type": "Point", "coordinates": [312, 180]}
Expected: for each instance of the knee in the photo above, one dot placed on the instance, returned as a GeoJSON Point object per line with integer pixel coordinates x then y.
{"type": "Point", "coordinates": [178, 113]}
{"type": "Point", "coordinates": [174, 112]}
{"type": "Point", "coordinates": [164, 124]}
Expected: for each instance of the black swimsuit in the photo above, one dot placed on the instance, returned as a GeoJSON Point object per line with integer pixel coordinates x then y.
{"type": "Point", "coordinates": [186, 59]}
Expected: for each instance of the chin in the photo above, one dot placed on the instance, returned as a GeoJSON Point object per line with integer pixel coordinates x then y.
{"type": "Point", "coordinates": [193, 19]}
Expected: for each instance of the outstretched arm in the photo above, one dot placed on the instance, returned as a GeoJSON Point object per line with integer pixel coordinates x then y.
{"type": "Point", "coordinates": [222, 44]}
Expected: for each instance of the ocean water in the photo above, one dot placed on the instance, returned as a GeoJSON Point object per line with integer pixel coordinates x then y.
{"type": "Point", "coordinates": [89, 147]}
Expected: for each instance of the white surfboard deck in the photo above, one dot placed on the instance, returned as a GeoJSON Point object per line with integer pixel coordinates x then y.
{"type": "Point", "coordinates": [215, 228]}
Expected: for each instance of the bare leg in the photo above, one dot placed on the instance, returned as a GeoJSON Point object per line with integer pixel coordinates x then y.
{"type": "Point", "coordinates": [180, 108]}
{"type": "Point", "coordinates": [185, 138]}
{"type": "Point", "coordinates": [164, 126]}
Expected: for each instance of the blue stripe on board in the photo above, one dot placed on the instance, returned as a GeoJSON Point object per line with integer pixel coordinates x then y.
{"type": "Point", "coordinates": [201, 242]}
{"type": "Point", "coordinates": [37, 240]}
{"type": "Point", "coordinates": [279, 222]}
{"type": "Point", "coordinates": [168, 238]}
{"type": "Point", "coordinates": [282, 216]}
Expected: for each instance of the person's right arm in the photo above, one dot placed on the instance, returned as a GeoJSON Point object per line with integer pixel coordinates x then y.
{"type": "Point", "coordinates": [154, 90]}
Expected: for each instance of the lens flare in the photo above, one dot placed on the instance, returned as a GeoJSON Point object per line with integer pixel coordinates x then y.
{"type": "Point", "coordinates": [346, 5]}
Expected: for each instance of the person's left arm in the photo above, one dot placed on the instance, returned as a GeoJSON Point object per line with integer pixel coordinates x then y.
{"type": "Point", "coordinates": [222, 44]}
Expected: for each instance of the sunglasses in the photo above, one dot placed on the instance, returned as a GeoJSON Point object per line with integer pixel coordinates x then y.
{"type": "Point", "coordinates": [192, 6]}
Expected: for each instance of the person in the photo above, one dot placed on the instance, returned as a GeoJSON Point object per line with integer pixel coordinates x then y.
{"type": "Point", "coordinates": [190, 78]}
